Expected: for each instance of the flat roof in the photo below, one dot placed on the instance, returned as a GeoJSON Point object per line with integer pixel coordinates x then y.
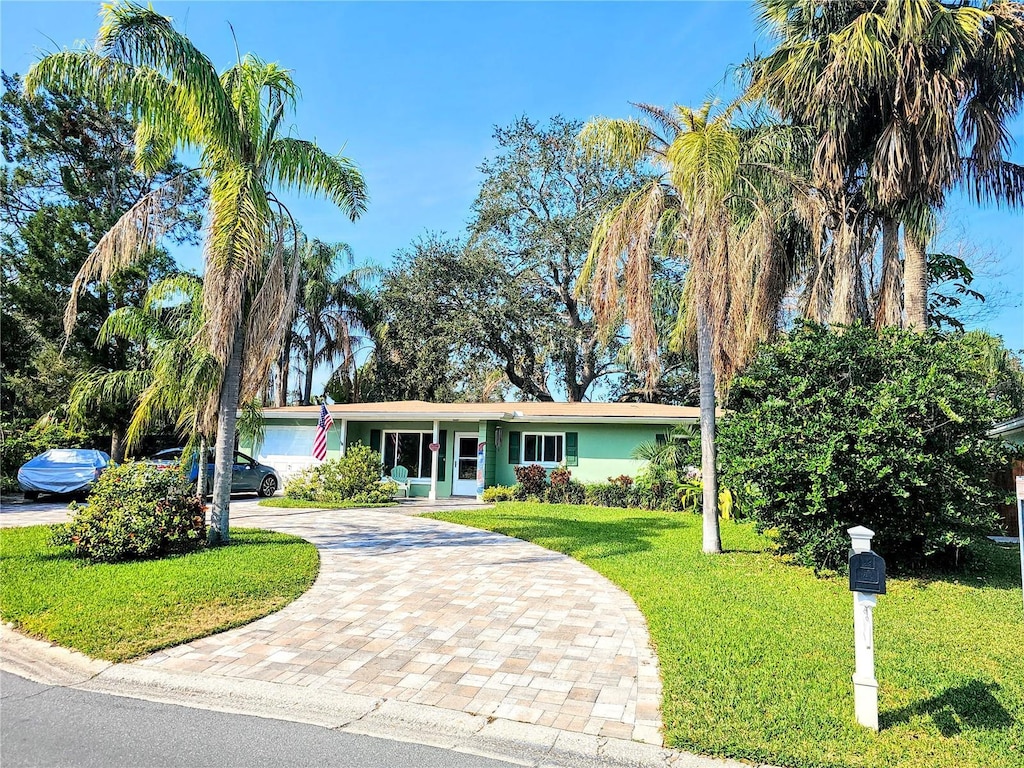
{"type": "Point", "coordinates": [419, 410]}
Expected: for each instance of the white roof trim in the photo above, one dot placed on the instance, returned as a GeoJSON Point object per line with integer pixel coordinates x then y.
{"type": "Point", "coordinates": [506, 418]}
{"type": "Point", "coordinates": [1007, 426]}
{"type": "Point", "coordinates": [379, 416]}
{"type": "Point", "coordinates": [639, 419]}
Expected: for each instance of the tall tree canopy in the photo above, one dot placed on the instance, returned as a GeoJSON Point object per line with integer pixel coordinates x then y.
{"type": "Point", "coordinates": [539, 201]}
{"type": "Point", "coordinates": [908, 98]}
{"type": "Point", "coordinates": [68, 177]}
{"type": "Point", "coordinates": [142, 64]}
{"type": "Point", "coordinates": [442, 312]}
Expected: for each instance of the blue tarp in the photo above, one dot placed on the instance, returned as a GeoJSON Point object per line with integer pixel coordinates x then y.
{"type": "Point", "coordinates": [62, 470]}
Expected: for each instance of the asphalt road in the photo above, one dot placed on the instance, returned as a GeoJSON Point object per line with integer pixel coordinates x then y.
{"type": "Point", "coordinates": [44, 725]}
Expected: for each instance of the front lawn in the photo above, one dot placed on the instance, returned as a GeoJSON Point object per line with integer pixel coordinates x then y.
{"type": "Point", "coordinates": [123, 610]}
{"type": "Point", "coordinates": [756, 655]}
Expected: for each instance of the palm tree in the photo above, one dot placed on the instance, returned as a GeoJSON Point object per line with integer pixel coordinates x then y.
{"type": "Point", "coordinates": [175, 376]}
{"type": "Point", "coordinates": [710, 205]}
{"type": "Point", "coordinates": [234, 121]}
{"type": "Point", "coordinates": [320, 328]}
{"type": "Point", "coordinates": [909, 98]}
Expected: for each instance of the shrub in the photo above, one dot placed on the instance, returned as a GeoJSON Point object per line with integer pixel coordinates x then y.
{"type": "Point", "coordinates": [135, 511]}
{"type": "Point", "coordinates": [354, 478]}
{"type": "Point", "coordinates": [565, 490]}
{"type": "Point", "coordinates": [610, 495]}
{"type": "Point", "coordinates": [561, 476]}
{"type": "Point", "coordinates": [670, 464]}
{"type": "Point", "coordinates": [534, 480]}
{"type": "Point", "coordinates": [657, 492]}
{"type": "Point", "coordinates": [572, 492]}
{"type": "Point", "coordinates": [835, 429]}
{"type": "Point", "coordinates": [499, 493]}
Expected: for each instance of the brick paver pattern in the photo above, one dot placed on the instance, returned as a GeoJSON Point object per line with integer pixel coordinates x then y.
{"type": "Point", "coordinates": [425, 611]}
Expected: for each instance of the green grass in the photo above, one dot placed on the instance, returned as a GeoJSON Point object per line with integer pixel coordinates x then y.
{"type": "Point", "coordinates": [756, 655]}
{"type": "Point", "coordinates": [123, 610]}
{"type": "Point", "coordinates": [285, 503]}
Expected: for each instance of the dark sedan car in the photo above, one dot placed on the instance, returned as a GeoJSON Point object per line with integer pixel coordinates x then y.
{"type": "Point", "coordinates": [247, 474]}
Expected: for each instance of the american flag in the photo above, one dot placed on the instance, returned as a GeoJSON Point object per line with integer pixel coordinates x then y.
{"type": "Point", "coordinates": [320, 441]}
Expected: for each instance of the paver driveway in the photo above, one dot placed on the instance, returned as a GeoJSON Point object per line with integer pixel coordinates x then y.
{"type": "Point", "coordinates": [429, 612]}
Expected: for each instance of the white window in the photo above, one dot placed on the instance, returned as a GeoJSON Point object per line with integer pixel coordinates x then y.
{"type": "Point", "coordinates": [410, 450]}
{"type": "Point", "coordinates": [542, 448]}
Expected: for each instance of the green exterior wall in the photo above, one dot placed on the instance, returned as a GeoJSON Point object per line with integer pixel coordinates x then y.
{"type": "Point", "coordinates": [1015, 437]}
{"type": "Point", "coordinates": [604, 450]}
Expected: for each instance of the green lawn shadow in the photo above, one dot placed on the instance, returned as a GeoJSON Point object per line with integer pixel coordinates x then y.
{"type": "Point", "coordinates": [969, 706]}
{"type": "Point", "coordinates": [992, 565]}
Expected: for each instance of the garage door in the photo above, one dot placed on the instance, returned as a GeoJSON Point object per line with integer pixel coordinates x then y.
{"type": "Point", "coordinates": [289, 450]}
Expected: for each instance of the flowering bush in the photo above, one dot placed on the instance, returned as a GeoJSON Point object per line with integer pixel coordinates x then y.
{"type": "Point", "coordinates": [353, 478]}
{"type": "Point", "coordinates": [135, 511]}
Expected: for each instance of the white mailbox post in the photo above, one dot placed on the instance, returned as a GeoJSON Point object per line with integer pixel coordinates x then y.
{"type": "Point", "coordinates": [865, 686]}
{"type": "Point", "coordinates": [1019, 482]}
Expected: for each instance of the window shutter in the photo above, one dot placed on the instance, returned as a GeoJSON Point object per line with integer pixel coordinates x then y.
{"type": "Point", "coordinates": [572, 449]}
{"type": "Point", "coordinates": [442, 454]}
{"type": "Point", "coordinates": [375, 440]}
{"type": "Point", "coordinates": [513, 447]}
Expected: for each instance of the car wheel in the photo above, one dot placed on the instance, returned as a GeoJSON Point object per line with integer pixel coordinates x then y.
{"type": "Point", "coordinates": [268, 486]}
{"type": "Point", "coordinates": [31, 495]}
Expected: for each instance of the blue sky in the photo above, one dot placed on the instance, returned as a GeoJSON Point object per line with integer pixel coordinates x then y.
{"type": "Point", "coordinates": [412, 91]}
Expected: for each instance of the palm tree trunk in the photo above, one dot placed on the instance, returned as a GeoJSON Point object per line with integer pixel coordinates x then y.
{"type": "Point", "coordinates": [889, 310]}
{"type": "Point", "coordinates": [201, 468]}
{"type": "Point", "coordinates": [283, 365]}
{"type": "Point", "coordinates": [117, 444]}
{"type": "Point", "coordinates": [915, 282]}
{"type": "Point", "coordinates": [844, 285]}
{"type": "Point", "coordinates": [227, 415]}
{"type": "Point", "coordinates": [708, 455]}
{"type": "Point", "coordinates": [307, 390]}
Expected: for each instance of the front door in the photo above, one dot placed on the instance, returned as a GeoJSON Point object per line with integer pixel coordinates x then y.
{"type": "Point", "coordinates": [464, 478]}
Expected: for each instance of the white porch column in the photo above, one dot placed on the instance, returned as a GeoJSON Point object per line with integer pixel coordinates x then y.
{"type": "Point", "coordinates": [344, 436]}
{"type": "Point", "coordinates": [433, 461]}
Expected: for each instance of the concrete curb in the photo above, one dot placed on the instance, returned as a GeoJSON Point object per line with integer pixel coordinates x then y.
{"type": "Point", "coordinates": [520, 743]}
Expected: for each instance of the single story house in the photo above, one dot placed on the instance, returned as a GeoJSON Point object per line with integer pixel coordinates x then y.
{"type": "Point", "coordinates": [459, 449]}
{"type": "Point", "coordinates": [1011, 432]}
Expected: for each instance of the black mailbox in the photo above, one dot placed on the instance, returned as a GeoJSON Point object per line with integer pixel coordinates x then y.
{"type": "Point", "coordinates": [867, 573]}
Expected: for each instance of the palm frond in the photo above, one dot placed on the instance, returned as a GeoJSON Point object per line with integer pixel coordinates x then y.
{"type": "Point", "coordinates": [141, 37]}
{"type": "Point", "coordinates": [131, 237]}
{"type": "Point", "coordinates": [303, 166]}
{"type": "Point", "coordinates": [620, 143]}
